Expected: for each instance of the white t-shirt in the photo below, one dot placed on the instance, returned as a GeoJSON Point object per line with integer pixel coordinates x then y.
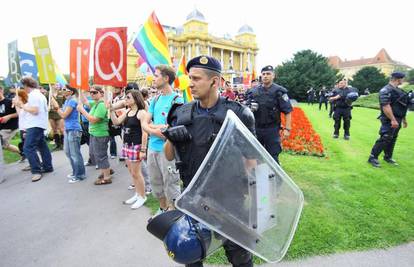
{"type": "Point", "coordinates": [40, 120]}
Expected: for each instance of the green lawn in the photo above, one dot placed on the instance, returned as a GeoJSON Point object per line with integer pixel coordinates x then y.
{"type": "Point", "coordinates": [10, 157]}
{"type": "Point", "coordinates": [349, 205]}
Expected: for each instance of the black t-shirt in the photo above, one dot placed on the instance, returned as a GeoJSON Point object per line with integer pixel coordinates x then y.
{"type": "Point", "coordinates": [6, 109]}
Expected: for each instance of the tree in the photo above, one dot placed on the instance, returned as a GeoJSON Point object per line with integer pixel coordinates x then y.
{"type": "Point", "coordinates": [410, 76]}
{"type": "Point", "coordinates": [369, 77]}
{"type": "Point", "coordinates": [306, 69]}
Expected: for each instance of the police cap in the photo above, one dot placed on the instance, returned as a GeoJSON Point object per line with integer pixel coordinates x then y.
{"type": "Point", "coordinates": [204, 62]}
{"type": "Point", "coordinates": [267, 68]}
{"type": "Point", "coordinates": [397, 75]}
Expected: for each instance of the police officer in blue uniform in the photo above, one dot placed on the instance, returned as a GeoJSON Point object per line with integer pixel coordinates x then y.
{"type": "Point", "coordinates": [342, 110]}
{"type": "Point", "coordinates": [267, 101]}
{"type": "Point", "coordinates": [193, 128]}
{"type": "Point", "coordinates": [393, 103]}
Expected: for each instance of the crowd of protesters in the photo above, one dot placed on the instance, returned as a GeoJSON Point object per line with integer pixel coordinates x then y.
{"type": "Point", "coordinates": [96, 118]}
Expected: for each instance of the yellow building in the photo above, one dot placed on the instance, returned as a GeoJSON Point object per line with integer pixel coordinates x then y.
{"type": "Point", "coordinates": [382, 61]}
{"type": "Point", "coordinates": [237, 55]}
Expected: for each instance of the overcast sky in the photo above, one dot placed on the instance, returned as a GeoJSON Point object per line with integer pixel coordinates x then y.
{"type": "Point", "coordinates": [350, 29]}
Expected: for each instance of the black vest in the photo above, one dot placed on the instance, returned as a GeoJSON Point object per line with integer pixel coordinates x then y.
{"type": "Point", "coordinates": [399, 102]}
{"type": "Point", "coordinates": [268, 113]}
{"type": "Point", "coordinates": [203, 129]}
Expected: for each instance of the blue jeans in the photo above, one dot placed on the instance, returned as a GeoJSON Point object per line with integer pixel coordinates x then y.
{"type": "Point", "coordinates": [36, 141]}
{"type": "Point", "coordinates": [71, 145]}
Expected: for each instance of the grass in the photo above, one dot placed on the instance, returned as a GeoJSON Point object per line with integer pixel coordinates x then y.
{"type": "Point", "coordinates": [349, 205]}
{"type": "Point", "coordinates": [10, 157]}
{"type": "Point", "coordinates": [369, 101]}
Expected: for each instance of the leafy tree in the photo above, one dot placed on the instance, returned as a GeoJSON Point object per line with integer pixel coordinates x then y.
{"type": "Point", "coordinates": [369, 77]}
{"type": "Point", "coordinates": [306, 69]}
{"type": "Point", "coordinates": [410, 76]}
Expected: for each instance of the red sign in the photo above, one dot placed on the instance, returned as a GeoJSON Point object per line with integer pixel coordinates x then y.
{"type": "Point", "coordinates": [110, 57]}
{"type": "Point", "coordinates": [79, 63]}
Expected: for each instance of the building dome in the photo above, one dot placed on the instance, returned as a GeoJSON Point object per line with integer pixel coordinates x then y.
{"type": "Point", "coordinates": [245, 29]}
{"type": "Point", "coordinates": [196, 15]}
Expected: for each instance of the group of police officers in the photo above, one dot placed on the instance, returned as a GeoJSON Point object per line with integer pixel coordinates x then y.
{"type": "Point", "coordinates": [194, 126]}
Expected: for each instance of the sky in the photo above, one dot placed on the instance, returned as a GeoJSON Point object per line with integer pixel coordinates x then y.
{"type": "Point", "coordinates": [350, 29]}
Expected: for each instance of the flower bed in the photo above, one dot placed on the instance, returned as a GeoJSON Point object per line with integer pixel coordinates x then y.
{"type": "Point", "coordinates": [303, 139]}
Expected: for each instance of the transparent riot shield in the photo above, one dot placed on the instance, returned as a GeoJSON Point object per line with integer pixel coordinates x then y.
{"type": "Point", "coordinates": [241, 193]}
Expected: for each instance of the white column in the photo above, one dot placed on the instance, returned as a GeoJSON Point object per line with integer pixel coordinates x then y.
{"type": "Point", "coordinates": [231, 60]}
{"type": "Point", "coordinates": [249, 65]}
{"type": "Point", "coordinates": [222, 58]}
{"type": "Point", "coordinates": [189, 52]}
{"type": "Point", "coordinates": [241, 61]}
{"type": "Point", "coordinates": [197, 50]}
{"type": "Point", "coordinates": [182, 51]}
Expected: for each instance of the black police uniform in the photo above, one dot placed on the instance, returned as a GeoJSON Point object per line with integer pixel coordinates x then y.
{"type": "Point", "coordinates": [342, 110]}
{"type": "Point", "coordinates": [203, 125]}
{"type": "Point", "coordinates": [271, 102]}
{"type": "Point", "coordinates": [323, 98]}
{"type": "Point", "coordinates": [398, 99]}
{"type": "Point", "coordinates": [311, 96]}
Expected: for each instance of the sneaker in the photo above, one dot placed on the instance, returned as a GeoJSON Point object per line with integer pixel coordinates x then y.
{"type": "Point", "coordinates": [391, 161]}
{"type": "Point", "coordinates": [87, 163]}
{"type": "Point", "coordinates": [140, 201]}
{"type": "Point", "coordinates": [27, 168]}
{"type": "Point", "coordinates": [131, 187]}
{"type": "Point", "coordinates": [74, 180]}
{"type": "Point", "coordinates": [335, 136]}
{"type": "Point", "coordinates": [22, 159]}
{"type": "Point", "coordinates": [96, 167]}
{"type": "Point", "coordinates": [70, 176]}
{"type": "Point", "coordinates": [121, 159]}
{"type": "Point", "coordinates": [113, 157]}
{"type": "Point", "coordinates": [346, 137]}
{"type": "Point", "coordinates": [374, 162]}
{"type": "Point", "coordinates": [131, 200]}
{"type": "Point", "coordinates": [148, 191]}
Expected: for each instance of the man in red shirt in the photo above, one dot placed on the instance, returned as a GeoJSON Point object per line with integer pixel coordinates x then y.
{"type": "Point", "coordinates": [228, 91]}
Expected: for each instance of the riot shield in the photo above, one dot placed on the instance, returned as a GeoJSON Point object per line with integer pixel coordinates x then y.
{"type": "Point", "coordinates": [241, 193]}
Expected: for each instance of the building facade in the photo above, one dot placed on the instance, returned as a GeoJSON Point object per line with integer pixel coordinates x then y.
{"type": "Point", "coordinates": [382, 61]}
{"type": "Point", "coordinates": [237, 55]}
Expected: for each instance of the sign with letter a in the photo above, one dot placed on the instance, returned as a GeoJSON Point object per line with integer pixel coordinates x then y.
{"type": "Point", "coordinates": [79, 63]}
{"type": "Point", "coordinates": [14, 65]}
{"type": "Point", "coordinates": [110, 57]}
{"type": "Point", "coordinates": [44, 60]}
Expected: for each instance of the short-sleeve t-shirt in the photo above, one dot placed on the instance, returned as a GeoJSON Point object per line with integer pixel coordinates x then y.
{"type": "Point", "coordinates": [98, 110]}
{"type": "Point", "coordinates": [72, 120]}
{"type": "Point", "coordinates": [159, 112]}
{"type": "Point", "coordinates": [39, 120]}
{"type": "Point", "coordinates": [7, 109]}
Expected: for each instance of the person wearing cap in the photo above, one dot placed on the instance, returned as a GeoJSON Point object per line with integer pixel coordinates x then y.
{"type": "Point", "coordinates": [272, 100]}
{"type": "Point", "coordinates": [393, 104]}
{"type": "Point", "coordinates": [342, 110]}
{"type": "Point", "coordinates": [207, 114]}
{"type": "Point", "coordinates": [73, 133]}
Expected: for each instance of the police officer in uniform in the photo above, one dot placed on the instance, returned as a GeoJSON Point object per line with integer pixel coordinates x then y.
{"type": "Point", "coordinates": [393, 102]}
{"type": "Point", "coordinates": [342, 109]}
{"type": "Point", "coordinates": [269, 100]}
{"type": "Point", "coordinates": [194, 126]}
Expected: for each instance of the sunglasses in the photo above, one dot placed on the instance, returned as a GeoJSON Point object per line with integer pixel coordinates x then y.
{"type": "Point", "coordinates": [93, 92]}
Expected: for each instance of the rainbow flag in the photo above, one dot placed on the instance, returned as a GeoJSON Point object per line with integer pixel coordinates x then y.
{"type": "Point", "coordinates": [60, 79]}
{"type": "Point", "coordinates": [182, 81]}
{"type": "Point", "coordinates": [151, 43]}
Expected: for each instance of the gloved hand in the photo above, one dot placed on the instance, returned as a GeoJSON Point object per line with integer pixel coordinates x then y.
{"type": "Point", "coordinates": [177, 134]}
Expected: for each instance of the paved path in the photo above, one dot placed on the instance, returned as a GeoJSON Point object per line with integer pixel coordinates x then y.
{"type": "Point", "coordinates": [53, 223]}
